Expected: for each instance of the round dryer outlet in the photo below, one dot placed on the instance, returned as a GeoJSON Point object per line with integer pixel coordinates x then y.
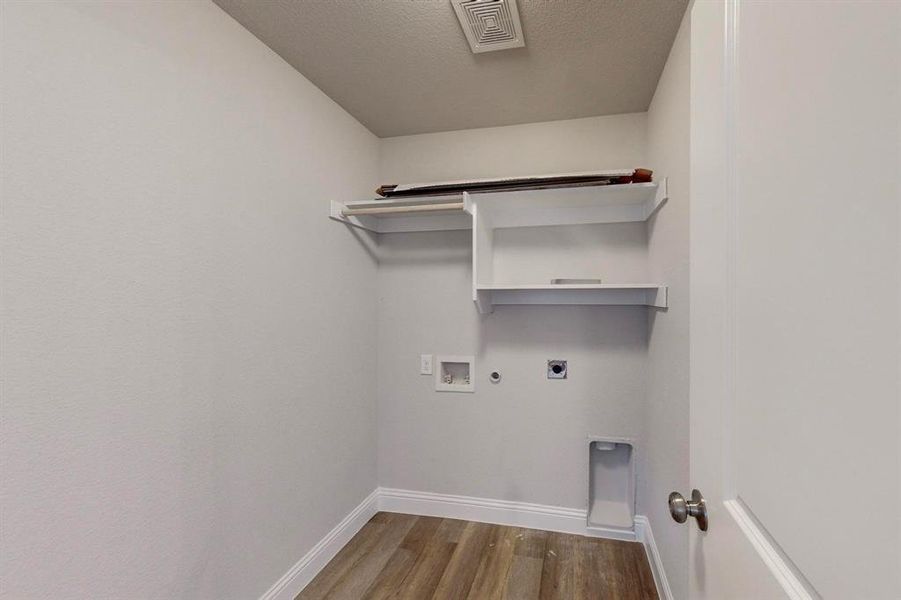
{"type": "Point", "coordinates": [556, 369]}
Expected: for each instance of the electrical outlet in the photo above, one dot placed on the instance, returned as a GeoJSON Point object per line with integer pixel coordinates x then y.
{"type": "Point", "coordinates": [425, 364]}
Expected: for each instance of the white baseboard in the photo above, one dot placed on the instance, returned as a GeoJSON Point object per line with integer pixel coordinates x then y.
{"type": "Point", "coordinates": [303, 572]}
{"type": "Point", "coordinates": [646, 536]}
{"type": "Point", "coordinates": [483, 510]}
{"type": "Point", "coordinates": [500, 512]}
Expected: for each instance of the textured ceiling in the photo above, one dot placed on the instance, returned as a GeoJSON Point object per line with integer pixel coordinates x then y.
{"type": "Point", "coordinates": [404, 66]}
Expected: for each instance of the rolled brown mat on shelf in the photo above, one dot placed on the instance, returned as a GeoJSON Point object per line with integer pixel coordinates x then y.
{"type": "Point", "coordinates": [515, 183]}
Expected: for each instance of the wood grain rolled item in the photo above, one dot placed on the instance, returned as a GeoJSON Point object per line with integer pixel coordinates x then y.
{"type": "Point", "coordinates": [382, 210]}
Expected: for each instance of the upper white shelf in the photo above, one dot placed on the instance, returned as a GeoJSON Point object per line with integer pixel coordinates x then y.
{"type": "Point", "coordinates": [485, 212]}
{"type": "Point", "coordinates": [618, 294]}
{"type": "Point", "coordinates": [522, 208]}
{"type": "Point", "coordinates": [573, 206]}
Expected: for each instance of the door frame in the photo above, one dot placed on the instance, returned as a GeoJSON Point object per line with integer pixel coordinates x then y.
{"type": "Point", "coordinates": [721, 177]}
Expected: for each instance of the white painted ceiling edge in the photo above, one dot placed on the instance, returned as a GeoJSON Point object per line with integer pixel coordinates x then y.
{"type": "Point", "coordinates": [402, 67]}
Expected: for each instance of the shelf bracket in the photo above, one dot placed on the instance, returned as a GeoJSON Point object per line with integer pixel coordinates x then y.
{"type": "Point", "coordinates": [336, 212]}
{"type": "Point", "coordinates": [660, 198]}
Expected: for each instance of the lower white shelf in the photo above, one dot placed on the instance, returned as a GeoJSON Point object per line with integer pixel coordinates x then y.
{"type": "Point", "coordinates": [622, 294]}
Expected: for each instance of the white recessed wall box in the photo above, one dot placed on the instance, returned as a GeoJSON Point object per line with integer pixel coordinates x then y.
{"type": "Point", "coordinates": [454, 374]}
{"type": "Point", "coordinates": [490, 24]}
{"type": "Point", "coordinates": [611, 486]}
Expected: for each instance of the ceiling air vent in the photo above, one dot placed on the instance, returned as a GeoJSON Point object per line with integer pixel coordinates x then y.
{"type": "Point", "coordinates": [490, 24]}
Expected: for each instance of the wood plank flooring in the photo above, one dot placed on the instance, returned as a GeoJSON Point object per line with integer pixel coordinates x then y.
{"type": "Point", "coordinates": [423, 558]}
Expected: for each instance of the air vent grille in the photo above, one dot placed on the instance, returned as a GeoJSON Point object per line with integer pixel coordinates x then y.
{"type": "Point", "coordinates": [490, 24]}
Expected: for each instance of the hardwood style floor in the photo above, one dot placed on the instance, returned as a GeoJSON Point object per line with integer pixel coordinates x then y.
{"type": "Point", "coordinates": [420, 558]}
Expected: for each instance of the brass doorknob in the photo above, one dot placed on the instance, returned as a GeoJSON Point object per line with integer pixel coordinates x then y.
{"type": "Point", "coordinates": [681, 509]}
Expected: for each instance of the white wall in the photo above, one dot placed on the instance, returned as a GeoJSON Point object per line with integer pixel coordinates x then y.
{"type": "Point", "coordinates": [554, 147]}
{"type": "Point", "coordinates": [667, 409]}
{"type": "Point", "coordinates": [179, 418]}
{"type": "Point", "coordinates": [524, 439]}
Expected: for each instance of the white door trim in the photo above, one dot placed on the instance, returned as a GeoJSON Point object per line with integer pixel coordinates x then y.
{"type": "Point", "coordinates": [786, 573]}
{"type": "Point", "coordinates": [780, 565]}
